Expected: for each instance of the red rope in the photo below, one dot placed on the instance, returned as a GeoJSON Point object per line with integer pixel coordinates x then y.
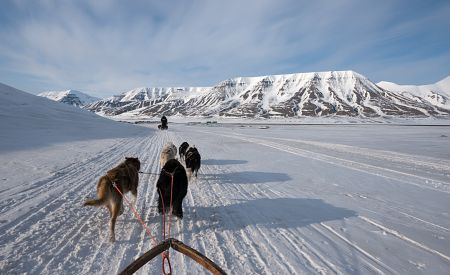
{"type": "Point", "coordinates": [165, 254]}
{"type": "Point", "coordinates": [164, 215]}
{"type": "Point", "coordinates": [136, 214]}
{"type": "Point", "coordinates": [171, 204]}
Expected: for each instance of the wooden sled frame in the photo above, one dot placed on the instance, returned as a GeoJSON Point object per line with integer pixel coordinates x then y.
{"type": "Point", "coordinates": [178, 246]}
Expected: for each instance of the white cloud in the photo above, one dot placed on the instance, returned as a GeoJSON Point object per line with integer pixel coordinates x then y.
{"type": "Point", "coordinates": [108, 47]}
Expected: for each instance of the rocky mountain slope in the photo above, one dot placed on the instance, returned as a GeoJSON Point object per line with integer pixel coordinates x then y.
{"type": "Point", "coordinates": [341, 93]}
{"type": "Point", "coordinates": [71, 97]}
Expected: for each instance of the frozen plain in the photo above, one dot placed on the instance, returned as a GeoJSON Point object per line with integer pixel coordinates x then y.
{"type": "Point", "coordinates": [288, 199]}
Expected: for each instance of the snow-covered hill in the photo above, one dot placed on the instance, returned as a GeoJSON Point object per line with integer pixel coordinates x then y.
{"type": "Point", "coordinates": [71, 97]}
{"type": "Point", "coordinates": [336, 93]}
{"type": "Point", "coordinates": [34, 121]}
{"type": "Point", "coordinates": [437, 94]}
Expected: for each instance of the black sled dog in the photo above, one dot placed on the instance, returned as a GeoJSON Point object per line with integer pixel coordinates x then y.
{"type": "Point", "coordinates": [182, 150]}
{"type": "Point", "coordinates": [172, 171]}
{"type": "Point", "coordinates": [193, 160]}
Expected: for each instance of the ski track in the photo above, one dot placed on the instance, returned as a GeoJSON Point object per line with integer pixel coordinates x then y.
{"type": "Point", "coordinates": [436, 165]}
{"type": "Point", "coordinates": [405, 238]}
{"type": "Point", "coordinates": [234, 241]}
{"type": "Point", "coordinates": [45, 187]}
{"type": "Point", "coordinates": [403, 177]}
{"type": "Point", "coordinates": [34, 223]}
{"type": "Point", "coordinates": [361, 251]}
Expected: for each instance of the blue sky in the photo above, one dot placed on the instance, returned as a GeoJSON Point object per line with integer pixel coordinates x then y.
{"type": "Point", "coordinates": [108, 47]}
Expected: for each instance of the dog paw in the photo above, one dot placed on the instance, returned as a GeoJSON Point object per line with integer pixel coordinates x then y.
{"type": "Point", "coordinates": [180, 216]}
{"type": "Point", "coordinates": [112, 239]}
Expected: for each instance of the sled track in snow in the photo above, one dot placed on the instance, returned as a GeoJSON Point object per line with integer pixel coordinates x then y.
{"type": "Point", "coordinates": [371, 262]}
{"type": "Point", "coordinates": [367, 255]}
{"type": "Point", "coordinates": [403, 177]}
{"type": "Point", "coordinates": [19, 197]}
{"type": "Point", "coordinates": [250, 254]}
{"type": "Point", "coordinates": [436, 165]}
{"type": "Point", "coordinates": [57, 213]}
{"type": "Point", "coordinates": [230, 230]}
{"type": "Point", "coordinates": [405, 238]}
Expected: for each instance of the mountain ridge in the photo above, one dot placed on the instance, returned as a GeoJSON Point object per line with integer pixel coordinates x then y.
{"type": "Point", "coordinates": [70, 97]}
{"type": "Point", "coordinates": [342, 93]}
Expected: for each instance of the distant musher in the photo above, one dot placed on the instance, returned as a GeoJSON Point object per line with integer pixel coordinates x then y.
{"type": "Point", "coordinates": [163, 125]}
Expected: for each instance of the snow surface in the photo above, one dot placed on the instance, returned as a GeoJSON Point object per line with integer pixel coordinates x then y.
{"type": "Point", "coordinates": [270, 199]}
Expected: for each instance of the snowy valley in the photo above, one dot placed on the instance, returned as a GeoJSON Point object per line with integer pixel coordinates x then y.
{"type": "Point", "coordinates": [279, 199]}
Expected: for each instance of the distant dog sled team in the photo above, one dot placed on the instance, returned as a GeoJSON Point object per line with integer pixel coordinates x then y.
{"type": "Point", "coordinates": [172, 184]}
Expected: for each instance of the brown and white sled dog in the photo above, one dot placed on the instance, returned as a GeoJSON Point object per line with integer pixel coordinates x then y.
{"type": "Point", "coordinates": [169, 151]}
{"type": "Point", "coordinates": [126, 178]}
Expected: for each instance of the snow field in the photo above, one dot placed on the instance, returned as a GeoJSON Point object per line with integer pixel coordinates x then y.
{"type": "Point", "coordinates": [283, 200]}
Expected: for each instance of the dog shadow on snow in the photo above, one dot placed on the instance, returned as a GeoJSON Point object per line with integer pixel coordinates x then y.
{"type": "Point", "coordinates": [247, 177]}
{"type": "Point", "coordinates": [269, 213]}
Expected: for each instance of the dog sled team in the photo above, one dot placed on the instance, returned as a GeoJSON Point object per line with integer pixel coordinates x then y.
{"type": "Point", "coordinates": [125, 178]}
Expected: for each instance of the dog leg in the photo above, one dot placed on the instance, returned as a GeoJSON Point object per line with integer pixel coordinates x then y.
{"type": "Point", "coordinates": [178, 210]}
{"type": "Point", "coordinates": [109, 209]}
{"type": "Point", "coordinates": [189, 172]}
{"type": "Point", "coordinates": [160, 206]}
{"type": "Point", "coordinates": [134, 194]}
{"type": "Point", "coordinates": [121, 209]}
{"type": "Point", "coordinates": [112, 223]}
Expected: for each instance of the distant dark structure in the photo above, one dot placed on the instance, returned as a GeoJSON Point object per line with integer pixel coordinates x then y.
{"type": "Point", "coordinates": [163, 125]}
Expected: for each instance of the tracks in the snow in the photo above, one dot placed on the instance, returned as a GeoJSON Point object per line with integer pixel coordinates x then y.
{"type": "Point", "coordinates": [377, 170]}
{"type": "Point", "coordinates": [424, 166]}
{"type": "Point", "coordinates": [244, 227]}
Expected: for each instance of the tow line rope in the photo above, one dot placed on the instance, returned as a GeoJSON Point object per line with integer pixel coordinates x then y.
{"type": "Point", "coordinates": [165, 254]}
{"type": "Point", "coordinates": [148, 173]}
{"type": "Point", "coordinates": [135, 213]}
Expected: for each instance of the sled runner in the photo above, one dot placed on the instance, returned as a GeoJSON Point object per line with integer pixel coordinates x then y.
{"type": "Point", "coordinates": [178, 246]}
{"type": "Point", "coordinates": [163, 247]}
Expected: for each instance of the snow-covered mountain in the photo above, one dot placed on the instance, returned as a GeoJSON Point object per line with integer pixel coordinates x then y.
{"type": "Point", "coordinates": [437, 94]}
{"type": "Point", "coordinates": [341, 93]}
{"type": "Point", "coordinates": [71, 97]}
{"type": "Point", "coordinates": [161, 99]}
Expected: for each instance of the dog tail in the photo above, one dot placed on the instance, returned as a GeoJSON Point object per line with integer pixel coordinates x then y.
{"type": "Point", "coordinates": [102, 189]}
{"type": "Point", "coordinates": [98, 202]}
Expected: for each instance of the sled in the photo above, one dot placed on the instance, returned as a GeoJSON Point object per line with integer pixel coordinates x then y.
{"type": "Point", "coordinates": [178, 246]}
{"type": "Point", "coordinates": [163, 127]}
